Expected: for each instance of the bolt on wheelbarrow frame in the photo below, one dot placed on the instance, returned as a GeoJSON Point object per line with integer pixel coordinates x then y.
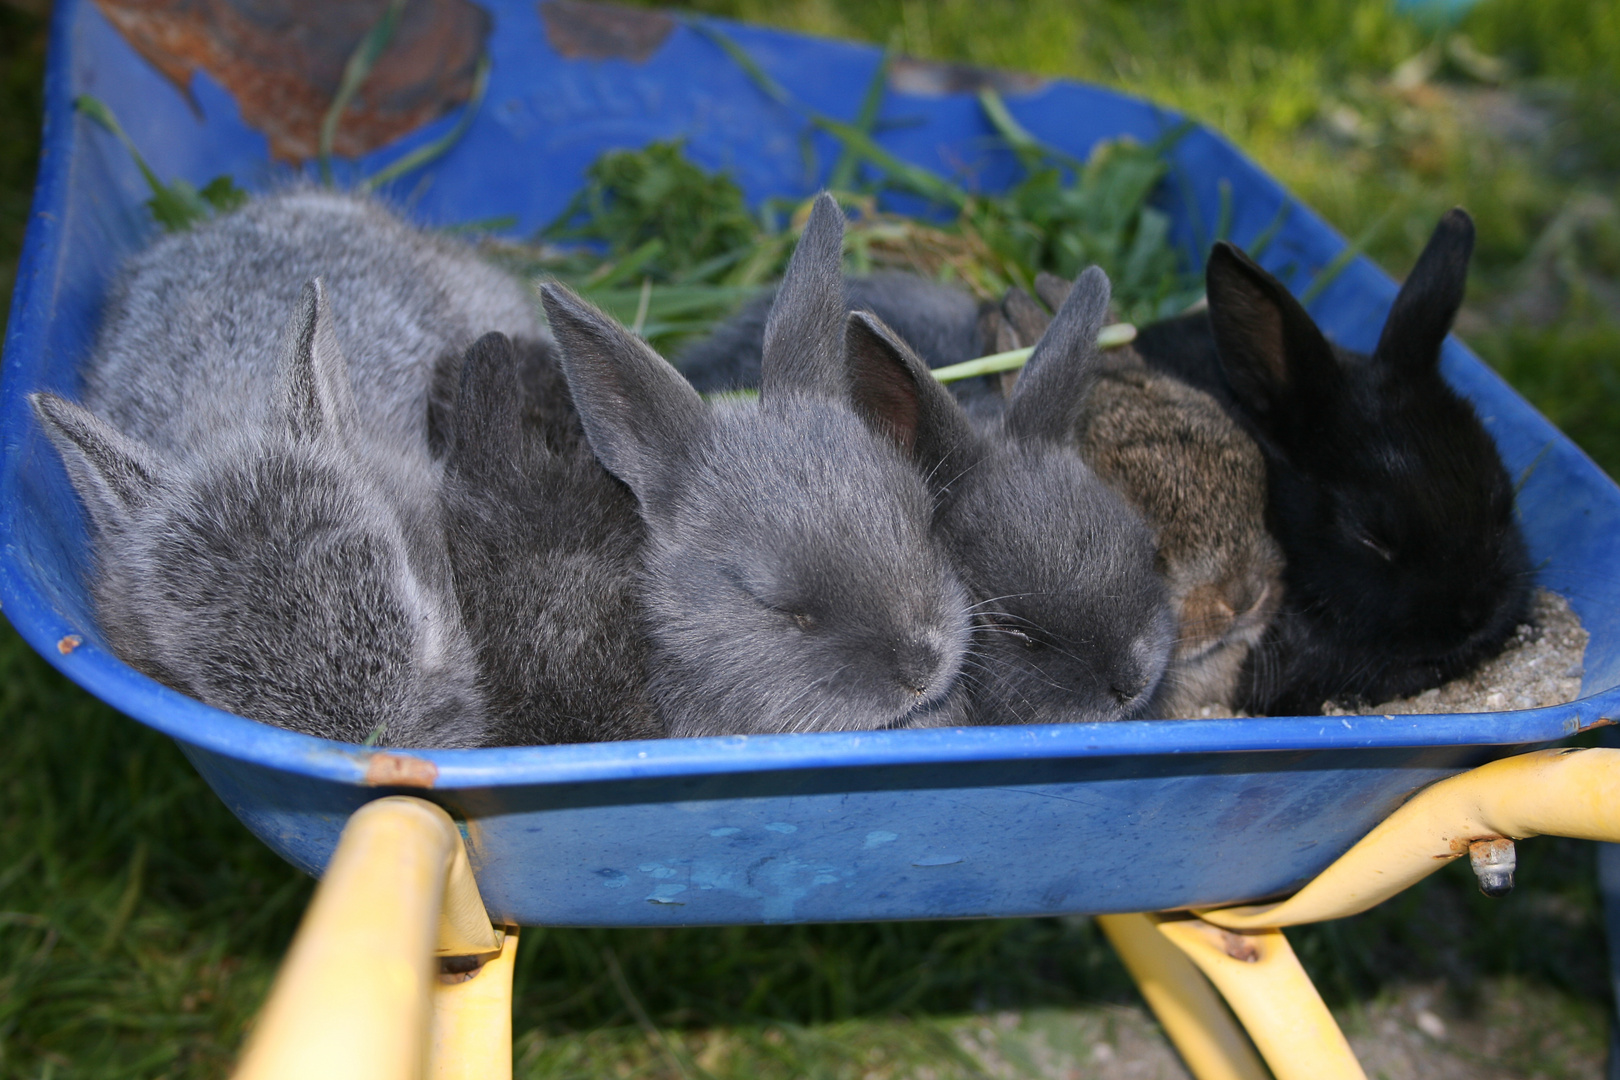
{"type": "Point", "coordinates": [992, 821]}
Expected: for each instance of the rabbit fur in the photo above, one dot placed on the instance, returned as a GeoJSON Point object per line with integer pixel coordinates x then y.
{"type": "Point", "coordinates": [252, 451]}
{"type": "Point", "coordinates": [1073, 622]}
{"type": "Point", "coordinates": [545, 547]}
{"type": "Point", "coordinates": [188, 344]}
{"type": "Point", "coordinates": [790, 579]}
{"type": "Point", "coordinates": [1405, 564]}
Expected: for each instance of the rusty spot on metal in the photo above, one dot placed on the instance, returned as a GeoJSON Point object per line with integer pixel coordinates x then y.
{"type": "Point", "coordinates": [927, 78]}
{"type": "Point", "coordinates": [282, 60]}
{"type": "Point", "coordinates": [400, 770]}
{"type": "Point", "coordinates": [583, 31]}
{"type": "Point", "coordinates": [1602, 721]}
{"type": "Point", "coordinates": [69, 643]}
{"type": "Point", "coordinates": [1239, 947]}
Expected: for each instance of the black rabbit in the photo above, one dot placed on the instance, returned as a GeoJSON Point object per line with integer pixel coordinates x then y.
{"type": "Point", "coordinates": [1405, 564]}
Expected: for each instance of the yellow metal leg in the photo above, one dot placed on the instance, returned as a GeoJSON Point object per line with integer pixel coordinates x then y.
{"type": "Point", "coordinates": [1261, 978]}
{"type": "Point", "coordinates": [352, 999]}
{"type": "Point", "coordinates": [471, 1034]}
{"type": "Point", "coordinates": [1200, 1026]}
{"type": "Point", "coordinates": [1573, 793]}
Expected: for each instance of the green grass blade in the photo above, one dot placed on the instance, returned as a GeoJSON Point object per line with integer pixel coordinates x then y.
{"type": "Point", "coordinates": [436, 149]}
{"type": "Point", "coordinates": [355, 73]}
{"type": "Point", "coordinates": [842, 177]}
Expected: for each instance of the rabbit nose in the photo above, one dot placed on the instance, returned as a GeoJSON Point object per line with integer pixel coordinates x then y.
{"type": "Point", "coordinates": [915, 664]}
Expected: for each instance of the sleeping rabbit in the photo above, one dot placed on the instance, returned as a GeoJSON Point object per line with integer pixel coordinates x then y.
{"type": "Point", "coordinates": [790, 579]}
{"type": "Point", "coordinates": [252, 453]}
{"type": "Point", "coordinates": [1073, 624]}
{"type": "Point", "coordinates": [1200, 483]}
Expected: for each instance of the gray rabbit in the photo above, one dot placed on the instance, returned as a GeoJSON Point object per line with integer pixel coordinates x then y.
{"type": "Point", "coordinates": [545, 547]}
{"type": "Point", "coordinates": [289, 570]}
{"type": "Point", "coordinates": [791, 581]}
{"type": "Point", "coordinates": [1073, 624]}
{"type": "Point", "coordinates": [1200, 482]}
{"type": "Point", "coordinates": [254, 458]}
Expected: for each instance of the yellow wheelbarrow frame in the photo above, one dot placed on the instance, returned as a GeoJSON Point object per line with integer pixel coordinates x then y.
{"type": "Point", "coordinates": [397, 973]}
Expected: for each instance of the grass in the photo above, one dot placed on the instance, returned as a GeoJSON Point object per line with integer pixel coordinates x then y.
{"type": "Point", "coordinates": [140, 924]}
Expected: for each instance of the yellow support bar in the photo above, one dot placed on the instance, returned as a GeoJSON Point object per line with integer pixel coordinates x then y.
{"type": "Point", "coordinates": [1261, 978]}
{"type": "Point", "coordinates": [1571, 792]}
{"type": "Point", "coordinates": [471, 1030]}
{"type": "Point", "coordinates": [353, 997]}
{"type": "Point", "coordinates": [1192, 1014]}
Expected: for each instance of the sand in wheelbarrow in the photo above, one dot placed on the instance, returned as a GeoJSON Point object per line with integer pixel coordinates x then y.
{"type": "Point", "coordinates": [1541, 665]}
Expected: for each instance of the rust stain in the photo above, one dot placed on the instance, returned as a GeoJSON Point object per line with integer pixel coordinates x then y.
{"type": "Point", "coordinates": [926, 78]}
{"type": "Point", "coordinates": [1239, 947]}
{"type": "Point", "coordinates": [69, 643]}
{"type": "Point", "coordinates": [400, 770]}
{"type": "Point", "coordinates": [1602, 721]}
{"type": "Point", "coordinates": [583, 31]}
{"type": "Point", "coordinates": [282, 60]}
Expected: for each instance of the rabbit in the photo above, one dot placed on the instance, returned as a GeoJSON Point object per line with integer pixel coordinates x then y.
{"type": "Point", "coordinates": [790, 579]}
{"type": "Point", "coordinates": [1405, 566]}
{"type": "Point", "coordinates": [290, 497]}
{"type": "Point", "coordinates": [1074, 622]}
{"type": "Point", "coordinates": [545, 547]}
{"type": "Point", "coordinates": [1200, 482]}
{"type": "Point", "coordinates": [287, 568]}
{"type": "Point", "coordinates": [188, 345]}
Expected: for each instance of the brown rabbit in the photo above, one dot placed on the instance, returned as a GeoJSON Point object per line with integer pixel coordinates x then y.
{"type": "Point", "coordinates": [1200, 482]}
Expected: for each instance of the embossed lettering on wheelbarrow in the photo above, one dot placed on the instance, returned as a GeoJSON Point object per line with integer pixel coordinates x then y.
{"type": "Point", "coordinates": [1127, 817]}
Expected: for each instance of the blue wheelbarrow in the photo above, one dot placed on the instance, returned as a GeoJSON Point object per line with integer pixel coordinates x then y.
{"type": "Point", "coordinates": [455, 846]}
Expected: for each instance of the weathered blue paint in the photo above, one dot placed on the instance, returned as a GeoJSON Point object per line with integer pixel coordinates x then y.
{"type": "Point", "coordinates": [874, 825]}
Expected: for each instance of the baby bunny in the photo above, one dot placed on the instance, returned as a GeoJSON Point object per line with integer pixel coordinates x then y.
{"type": "Point", "coordinates": [1405, 566]}
{"type": "Point", "coordinates": [287, 567]}
{"type": "Point", "coordinates": [1073, 620]}
{"type": "Point", "coordinates": [790, 579]}
{"type": "Point", "coordinates": [545, 547]}
{"type": "Point", "coordinates": [1200, 482]}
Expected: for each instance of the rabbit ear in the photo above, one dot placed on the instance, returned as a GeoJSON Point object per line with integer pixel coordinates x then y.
{"type": "Point", "coordinates": [485, 429]}
{"type": "Point", "coordinates": [313, 396]}
{"type": "Point", "coordinates": [113, 473]}
{"type": "Point", "coordinates": [1054, 383]}
{"type": "Point", "coordinates": [639, 414]}
{"type": "Point", "coordinates": [1427, 304]}
{"type": "Point", "coordinates": [895, 393]}
{"type": "Point", "coordinates": [1027, 318]}
{"type": "Point", "coordinates": [1281, 369]}
{"type": "Point", "coordinates": [804, 333]}
{"type": "Point", "coordinates": [1052, 290]}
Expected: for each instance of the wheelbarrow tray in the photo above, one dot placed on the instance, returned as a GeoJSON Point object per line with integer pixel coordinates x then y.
{"type": "Point", "coordinates": [987, 821]}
